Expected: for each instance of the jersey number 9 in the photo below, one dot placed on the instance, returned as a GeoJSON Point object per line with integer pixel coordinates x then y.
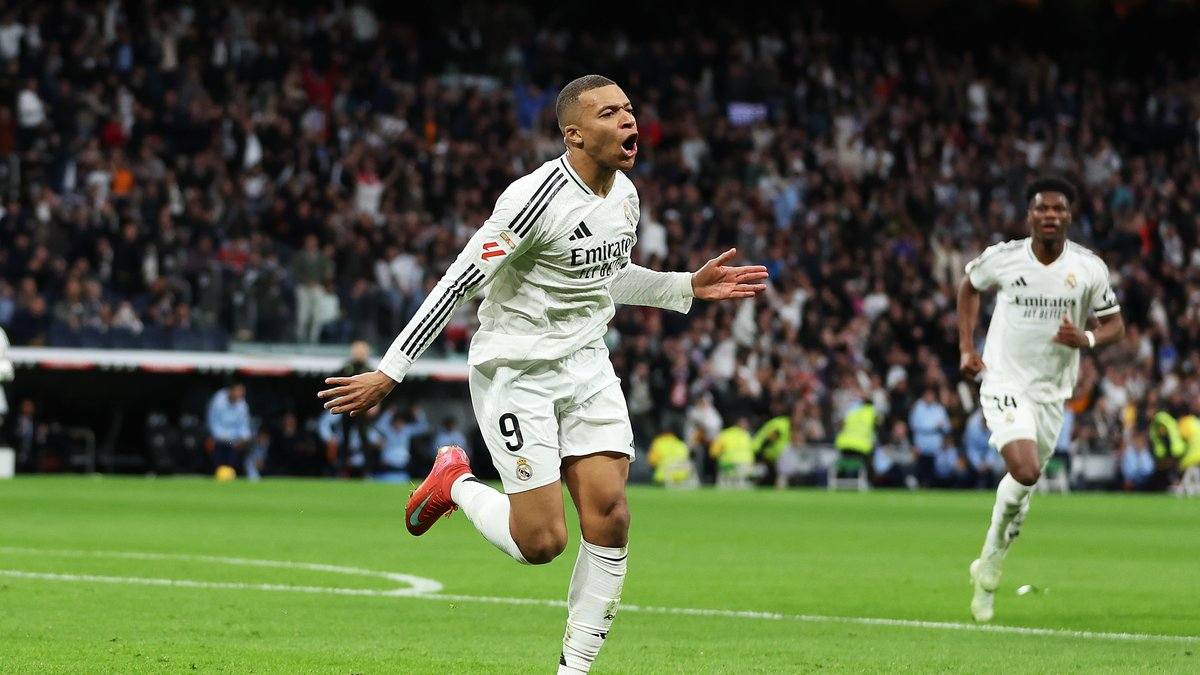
{"type": "Point", "coordinates": [511, 429]}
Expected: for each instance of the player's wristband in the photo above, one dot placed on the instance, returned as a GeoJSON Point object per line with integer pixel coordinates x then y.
{"type": "Point", "coordinates": [1091, 338]}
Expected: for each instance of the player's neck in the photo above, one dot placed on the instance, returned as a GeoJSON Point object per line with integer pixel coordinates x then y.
{"type": "Point", "coordinates": [598, 178]}
{"type": "Point", "coordinates": [1047, 252]}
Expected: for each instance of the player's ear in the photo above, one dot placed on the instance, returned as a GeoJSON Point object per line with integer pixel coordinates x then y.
{"type": "Point", "coordinates": [572, 136]}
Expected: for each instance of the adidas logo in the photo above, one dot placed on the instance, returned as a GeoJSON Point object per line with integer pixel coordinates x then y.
{"type": "Point", "coordinates": [1020, 282]}
{"type": "Point", "coordinates": [580, 232]}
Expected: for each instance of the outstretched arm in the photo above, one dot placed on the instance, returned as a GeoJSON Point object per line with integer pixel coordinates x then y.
{"type": "Point", "coordinates": [636, 285]}
{"type": "Point", "coordinates": [513, 226]}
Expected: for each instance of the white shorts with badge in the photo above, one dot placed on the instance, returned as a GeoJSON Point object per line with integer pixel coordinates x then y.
{"type": "Point", "coordinates": [1011, 415]}
{"type": "Point", "coordinates": [532, 414]}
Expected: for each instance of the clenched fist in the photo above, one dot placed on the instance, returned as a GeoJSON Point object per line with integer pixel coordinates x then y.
{"type": "Point", "coordinates": [970, 365]}
{"type": "Point", "coordinates": [1069, 334]}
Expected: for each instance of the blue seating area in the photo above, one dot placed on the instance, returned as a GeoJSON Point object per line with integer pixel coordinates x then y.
{"type": "Point", "coordinates": [151, 337]}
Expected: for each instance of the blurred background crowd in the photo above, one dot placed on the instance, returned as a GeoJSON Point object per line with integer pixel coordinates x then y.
{"type": "Point", "coordinates": [183, 176]}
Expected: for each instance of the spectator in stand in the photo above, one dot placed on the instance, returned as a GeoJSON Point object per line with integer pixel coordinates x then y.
{"type": "Point", "coordinates": [856, 441]}
{"type": "Point", "coordinates": [167, 167]}
{"type": "Point", "coordinates": [228, 421]}
{"type": "Point", "coordinates": [257, 455]}
{"type": "Point", "coordinates": [1136, 462]}
{"type": "Point", "coordinates": [28, 435]}
{"type": "Point", "coordinates": [449, 434]}
{"type": "Point", "coordinates": [311, 270]}
{"type": "Point", "coordinates": [351, 459]}
{"type": "Point", "coordinates": [1169, 447]}
{"type": "Point", "coordinates": [294, 452]}
{"type": "Point", "coordinates": [886, 462]}
{"type": "Point", "coordinates": [1066, 439]}
{"type": "Point", "coordinates": [671, 460]}
{"type": "Point", "coordinates": [1189, 431]}
{"type": "Point", "coordinates": [31, 323]}
{"type": "Point", "coordinates": [929, 424]}
{"type": "Point", "coordinates": [733, 449]}
{"type": "Point", "coordinates": [949, 468]}
{"type": "Point", "coordinates": [770, 441]}
{"type": "Point", "coordinates": [395, 432]}
{"type": "Point", "coordinates": [704, 423]}
{"type": "Point", "coordinates": [983, 464]}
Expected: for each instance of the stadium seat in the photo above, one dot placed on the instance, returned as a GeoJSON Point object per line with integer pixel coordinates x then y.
{"type": "Point", "coordinates": [122, 338]}
{"type": "Point", "coordinates": [1055, 478]}
{"type": "Point", "coordinates": [154, 337]}
{"type": "Point", "coordinates": [848, 474]}
{"type": "Point", "coordinates": [60, 335]}
{"type": "Point", "coordinates": [93, 338]}
{"type": "Point", "coordinates": [188, 339]}
{"type": "Point", "coordinates": [215, 339]}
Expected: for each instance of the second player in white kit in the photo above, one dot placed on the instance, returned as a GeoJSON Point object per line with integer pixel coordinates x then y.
{"type": "Point", "coordinates": [1029, 375]}
{"type": "Point", "coordinates": [1046, 288]}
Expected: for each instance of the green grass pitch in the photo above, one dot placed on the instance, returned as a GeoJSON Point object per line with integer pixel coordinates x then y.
{"type": "Point", "coordinates": [78, 592]}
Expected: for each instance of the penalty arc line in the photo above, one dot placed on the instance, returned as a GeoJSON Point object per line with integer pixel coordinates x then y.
{"type": "Point", "coordinates": [193, 583]}
{"type": "Point", "coordinates": [648, 609]}
{"type": "Point", "coordinates": [415, 584]}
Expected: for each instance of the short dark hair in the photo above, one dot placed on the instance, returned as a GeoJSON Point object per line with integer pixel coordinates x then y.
{"type": "Point", "coordinates": [1051, 184]}
{"type": "Point", "coordinates": [570, 93]}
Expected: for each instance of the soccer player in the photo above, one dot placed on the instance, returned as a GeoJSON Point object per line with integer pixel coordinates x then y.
{"type": "Point", "coordinates": [1046, 289]}
{"type": "Point", "coordinates": [552, 261]}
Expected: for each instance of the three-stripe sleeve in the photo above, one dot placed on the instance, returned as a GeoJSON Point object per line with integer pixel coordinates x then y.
{"type": "Point", "coordinates": [513, 225]}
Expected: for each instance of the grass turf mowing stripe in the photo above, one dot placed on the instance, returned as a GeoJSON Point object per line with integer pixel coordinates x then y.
{"type": "Point", "coordinates": [418, 583]}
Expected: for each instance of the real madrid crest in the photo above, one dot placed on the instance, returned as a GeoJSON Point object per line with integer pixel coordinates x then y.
{"type": "Point", "coordinates": [1071, 279]}
{"type": "Point", "coordinates": [524, 470]}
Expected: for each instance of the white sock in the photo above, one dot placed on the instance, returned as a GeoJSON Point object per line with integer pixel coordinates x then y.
{"type": "Point", "coordinates": [1012, 503]}
{"type": "Point", "coordinates": [591, 604]}
{"type": "Point", "coordinates": [488, 510]}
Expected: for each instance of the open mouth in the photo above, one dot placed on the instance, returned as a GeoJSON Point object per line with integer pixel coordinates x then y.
{"type": "Point", "coordinates": [629, 145]}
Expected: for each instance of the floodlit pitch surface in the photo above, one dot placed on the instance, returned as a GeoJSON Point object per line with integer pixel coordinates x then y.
{"type": "Point", "coordinates": [181, 575]}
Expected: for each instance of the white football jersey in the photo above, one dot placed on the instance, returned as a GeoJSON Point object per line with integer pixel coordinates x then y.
{"type": "Point", "coordinates": [552, 261]}
{"type": "Point", "coordinates": [1031, 300]}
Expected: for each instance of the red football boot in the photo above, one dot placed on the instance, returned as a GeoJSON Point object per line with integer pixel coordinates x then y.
{"type": "Point", "coordinates": [431, 500]}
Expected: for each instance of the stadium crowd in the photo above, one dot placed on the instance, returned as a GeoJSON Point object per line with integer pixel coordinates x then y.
{"type": "Point", "coordinates": [195, 174]}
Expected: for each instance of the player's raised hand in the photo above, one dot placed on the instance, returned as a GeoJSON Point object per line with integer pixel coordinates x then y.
{"type": "Point", "coordinates": [716, 281]}
{"type": "Point", "coordinates": [970, 365]}
{"type": "Point", "coordinates": [356, 395]}
{"type": "Point", "coordinates": [1069, 334]}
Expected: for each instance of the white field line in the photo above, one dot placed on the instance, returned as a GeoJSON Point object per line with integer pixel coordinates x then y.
{"type": "Point", "coordinates": [417, 586]}
{"type": "Point", "coordinates": [414, 585]}
{"type": "Point", "coordinates": [227, 585]}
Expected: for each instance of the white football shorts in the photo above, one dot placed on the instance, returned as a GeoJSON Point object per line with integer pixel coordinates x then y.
{"type": "Point", "coordinates": [532, 414]}
{"type": "Point", "coordinates": [1011, 415]}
